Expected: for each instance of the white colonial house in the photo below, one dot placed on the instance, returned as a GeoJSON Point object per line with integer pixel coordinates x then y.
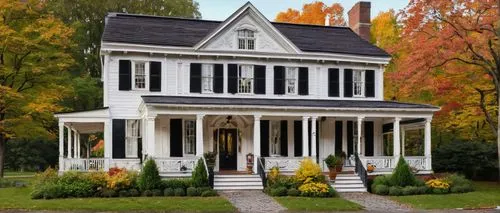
{"type": "Point", "coordinates": [175, 88]}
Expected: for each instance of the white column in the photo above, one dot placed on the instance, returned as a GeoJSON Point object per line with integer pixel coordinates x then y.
{"type": "Point", "coordinates": [403, 141]}
{"type": "Point", "coordinates": [78, 145]}
{"type": "Point", "coordinates": [256, 142]}
{"type": "Point", "coordinates": [75, 141]}
{"type": "Point", "coordinates": [427, 144]}
{"type": "Point", "coordinates": [61, 146]}
{"type": "Point", "coordinates": [313, 137]}
{"type": "Point", "coordinates": [70, 143]}
{"type": "Point", "coordinates": [344, 137]}
{"type": "Point", "coordinates": [396, 140]}
{"type": "Point", "coordinates": [108, 145]}
{"type": "Point", "coordinates": [199, 134]}
{"type": "Point", "coordinates": [305, 136]}
{"type": "Point", "coordinates": [150, 128]}
{"type": "Point", "coordinates": [360, 122]}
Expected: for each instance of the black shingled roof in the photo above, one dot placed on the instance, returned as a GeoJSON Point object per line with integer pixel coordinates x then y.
{"type": "Point", "coordinates": [189, 100]}
{"type": "Point", "coordinates": [169, 31]}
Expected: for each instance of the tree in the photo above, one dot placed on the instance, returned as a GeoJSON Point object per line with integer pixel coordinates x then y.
{"type": "Point", "coordinates": [32, 65]}
{"type": "Point", "coordinates": [314, 13]}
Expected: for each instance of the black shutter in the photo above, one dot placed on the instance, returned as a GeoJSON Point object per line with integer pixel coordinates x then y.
{"type": "Point", "coordinates": [125, 75]}
{"type": "Point", "coordinates": [175, 137]}
{"type": "Point", "coordinates": [284, 138]}
{"type": "Point", "coordinates": [309, 137]}
{"type": "Point", "coordinates": [218, 78]}
{"type": "Point", "coordinates": [350, 138]}
{"type": "Point", "coordinates": [155, 76]}
{"type": "Point", "coordinates": [195, 78]}
{"type": "Point", "coordinates": [370, 83]}
{"type": "Point", "coordinates": [264, 138]}
{"type": "Point", "coordinates": [303, 81]}
{"type": "Point", "coordinates": [347, 83]}
{"type": "Point", "coordinates": [232, 78]}
{"type": "Point", "coordinates": [260, 79]}
{"type": "Point", "coordinates": [279, 80]}
{"type": "Point", "coordinates": [368, 138]}
{"type": "Point", "coordinates": [118, 138]}
{"type": "Point", "coordinates": [333, 82]}
{"type": "Point", "coordinates": [338, 137]}
{"type": "Point", "coordinates": [297, 138]}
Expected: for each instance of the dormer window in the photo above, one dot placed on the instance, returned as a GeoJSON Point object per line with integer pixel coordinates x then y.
{"type": "Point", "coordinates": [246, 39]}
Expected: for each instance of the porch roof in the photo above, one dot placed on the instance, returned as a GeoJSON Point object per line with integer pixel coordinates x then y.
{"type": "Point", "coordinates": [312, 103]}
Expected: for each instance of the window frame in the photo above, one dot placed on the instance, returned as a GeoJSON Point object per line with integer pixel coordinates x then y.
{"type": "Point", "coordinates": [185, 138]}
{"type": "Point", "coordinates": [210, 78]}
{"type": "Point", "coordinates": [243, 35]}
{"type": "Point", "coordinates": [250, 88]}
{"type": "Point", "coordinates": [130, 138]}
{"type": "Point", "coordinates": [296, 79]}
{"type": "Point", "coordinates": [361, 82]}
{"type": "Point", "coordinates": [275, 124]}
{"type": "Point", "coordinates": [146, 75]}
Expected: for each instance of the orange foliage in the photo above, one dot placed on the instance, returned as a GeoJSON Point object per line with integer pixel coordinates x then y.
{"type": "Point", "coordinates": [314, 13]}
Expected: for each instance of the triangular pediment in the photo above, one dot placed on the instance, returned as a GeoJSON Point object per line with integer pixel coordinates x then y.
{"type": "Point", "coordinates": [267, 37]}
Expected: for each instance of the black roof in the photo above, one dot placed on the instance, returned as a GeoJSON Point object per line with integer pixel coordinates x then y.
{"type": "Point", "coordinates": [183, 32]}
{"type": "Point", "coordinates": [190, 100]}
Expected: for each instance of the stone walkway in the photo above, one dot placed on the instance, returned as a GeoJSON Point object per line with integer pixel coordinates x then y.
{"type": "Point", "coordinates": [375, 203]}
{"type": "Point", "coordinates": [252, 201]}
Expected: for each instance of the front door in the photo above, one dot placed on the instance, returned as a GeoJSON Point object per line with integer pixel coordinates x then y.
{"type": "Point", "coordinates": [227, 148]}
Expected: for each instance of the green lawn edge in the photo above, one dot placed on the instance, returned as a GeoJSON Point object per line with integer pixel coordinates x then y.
{"type": "Point", "coordinates": [317, 204]}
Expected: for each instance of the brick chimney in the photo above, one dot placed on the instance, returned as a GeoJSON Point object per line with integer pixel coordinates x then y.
{"type": "Point", "coordinates": [359, 19]}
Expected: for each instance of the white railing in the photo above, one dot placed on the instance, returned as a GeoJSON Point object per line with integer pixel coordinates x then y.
{"type": "Point", "coordinates": [176, 164]}
{"type": "Point", "coordinates": [380, 162]}
{"type": "Point", "coordinates": [417, 162]}
{"type": "Point", "coordinates": [84, 164]}
{"type": "Point", "coordinates": [285, 164]}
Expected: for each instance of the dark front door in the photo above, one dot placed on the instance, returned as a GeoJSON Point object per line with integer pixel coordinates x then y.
{"type": "Point", "coordinates": [227, 148]}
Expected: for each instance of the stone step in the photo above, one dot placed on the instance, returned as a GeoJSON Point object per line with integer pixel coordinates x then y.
{"type": "Point", "coordinates": [175, 175]}
{"type": "Point", "coordinates": [237, 179]}
{"type": "Point", "coordinates": [227, 188]}
{"type": "Point", "coordinates": [347, 178]}
{"type": "Point", "coordinates": [236, 176]}
{"type": "Point", "coordinates": [348, 182]}
{"type": "Point", "coordinates": [338, 186]}
{"type": "Point", "coordinates": [237, 183]}
{"type": "Point", "coordinates": [351, 190]}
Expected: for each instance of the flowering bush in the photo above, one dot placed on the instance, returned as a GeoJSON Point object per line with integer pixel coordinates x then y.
{"type": "Point", "coordinates": [315, 189]}
{"type": "Point", "coordinates": [120, 180]}
{"type": "Point", "coordinates": [438, 184]}
{"type": "Point", "coordinates": [309, 171]}
{"type": "Point", "coordinates": [115, 170]}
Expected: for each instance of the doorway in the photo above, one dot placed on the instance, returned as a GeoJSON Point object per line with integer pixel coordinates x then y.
{"type": "Point", "coordinates": [227, 143]}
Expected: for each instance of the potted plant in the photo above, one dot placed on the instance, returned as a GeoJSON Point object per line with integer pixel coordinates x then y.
{"type": "Point", "coordinates": [370, 167]}
{"type": "Point", "coordinates": [210, 158]}
{"type": "Point", "coordinates": [331, 162]}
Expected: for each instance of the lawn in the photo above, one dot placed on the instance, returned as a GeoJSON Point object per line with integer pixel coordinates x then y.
{"type": "Point", "coordinates": [317, 204]}
{"type": "Point", "coordinates": [486, 195]}
{"type": "Point", "coordinates": [18, 198]}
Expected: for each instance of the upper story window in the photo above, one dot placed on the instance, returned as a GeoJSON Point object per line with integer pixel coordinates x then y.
{"type": "Point", "coordinates": [139, 74]}
{"type": "Point", "coordinates": [207, 78]}
{"type": "Point", "coordinates": [132, 135]}
{"type": "Point", "coordinates": [291, 80]}
{"type": "Point", "coordinates": [189, 137]}
{"type": "Point", "coordinates": [246, 39]}
{"type": "Point", "coordinates": [245, 79]}
{"type": "Point", "coordinates": [358, 80]}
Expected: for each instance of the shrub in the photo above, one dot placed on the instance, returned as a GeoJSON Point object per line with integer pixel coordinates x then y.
{"type": "Point", "coordinates": [120, 180]}
{"type": "Point", "coordinates": [273, 174]}
{"type": "Point", "coordinates": [205, 188]}
{"type": "Point", "coordinates": [459, 184]}
{"type": "Point", "coordinates": [402, 175]}
{"type": "Point", "coordinates": [147, 193]}
{"type": "Point", "coordinates": [199, 176]}
{"type": "Point", "coordinates": [50, 190]}
{"type": "Point", "coordinates": [422, 190]}
{"type": "Point", "coordinates": [395, 191]}
{"type": "Point", "coordinates": [134, 192]}
{"type": "Point", "coordinates": [150, 177]}
{"type": "Point", "coordinates": [381, 180]}
{"type": "Point", "coordinates": [123, 193]}
{"type": "Point", "coordinates": [309, 171]}
{"type": "Point", "coordinates": [177, 183]}
{"type": "Point", "coordinates": [209, 193]}
{"type": "Point", "coordinates": [332, 192]}
{"type": "Point", "coordinates": [156, 192]}
{"type": "Point", "coordinates": [410, 190]}
{"type": "Point", "coordinates": [76, 184]}
{"type": "Point", "coordinates": [331, 161]}
{"type": "Point", "coordinates": [440, 190]}
{"type": "Point", "coordinates": [314, 189]}
{"type": "Point", "coordinates": [461, 189]}
{"type": "Point", "coordinates": [179, 192]}
{"type": "Point", "coordinates": [293, 192]}
{"type": "Point", "coordinates": [192, 192]}
{"type": "Point", "coordinates": [284, 181]}
{"type": "Point", "coordinates": [168, 192]}
{"type": "Point", "coordinates": [277, 192]}
{"type": "Point", "coordinates": [108, 193]}
{"type": "Point", "coordinates": [380, 189]}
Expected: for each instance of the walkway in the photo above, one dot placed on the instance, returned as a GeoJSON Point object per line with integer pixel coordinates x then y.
{"type": "Point", "coordinates": [375, 203]}
{"type": "Point", "coordinates": [252, 201]}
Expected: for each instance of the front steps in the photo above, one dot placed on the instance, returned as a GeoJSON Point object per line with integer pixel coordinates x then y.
{"type": "Point", "coordinates": [238, 182]}
{"type": "Point", "coordinates": [348, 182]}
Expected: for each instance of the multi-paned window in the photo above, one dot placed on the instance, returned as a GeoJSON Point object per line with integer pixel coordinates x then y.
{"type": "Point", "coordinates": [189, 137]}
{"type": "Point", "coordinates": [132, 135]}
{"type": "Point", "coordinates": [207, 78]}
{"type": "Point", "coordinates": [275, 140]}
{"type": "Point", "coordinates": [291, 80]}
{"type": "Point", "coordinates": [139, 75]}
{"type": "Point", "coordinates": [358, 83]}
{"type": "Point", "coordinates": [245, 79]}
{"type": "Point", "coordinates": [246, 39]}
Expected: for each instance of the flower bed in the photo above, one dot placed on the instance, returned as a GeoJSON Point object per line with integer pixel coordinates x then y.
{"type": "Point", "coordinates": [308, 181]}
{"type": "Point", "coordinates": [403, 182]}
{"type": "Point", "coordinates": [119, 183]}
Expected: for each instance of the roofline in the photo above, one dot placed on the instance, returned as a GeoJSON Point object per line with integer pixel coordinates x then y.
{"type": "Point", "coordinates": [62, 114]}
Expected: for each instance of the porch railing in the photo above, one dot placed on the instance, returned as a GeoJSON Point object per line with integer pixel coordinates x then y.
{"type": "Point", "coordinates": [176, 164]}
{"type": "Point", "coordinates": [210, 173]}
{"type": "Point", "coordinates": [285, 164]}
{"type": "Point", "coordinates": [84, 164]}
{"type": "Point", "coordinates": [380, 162]}
{"type": "Point", "coordinates": [418, 163]}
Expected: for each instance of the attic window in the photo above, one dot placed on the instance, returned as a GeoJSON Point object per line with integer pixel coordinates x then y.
{"type": "Point", "coordinates": [246, 39]}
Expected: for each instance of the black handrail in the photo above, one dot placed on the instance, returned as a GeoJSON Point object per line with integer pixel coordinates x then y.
{"type": "Point", "coordinates": [261, 170]}
{"type": "Point", "coordinates": [361, 171]}
{"type": "Point", "coordinates": [210, 172]}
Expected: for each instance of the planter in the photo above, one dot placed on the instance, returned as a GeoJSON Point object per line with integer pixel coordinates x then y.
{"type": "Point", "coordinates": [370, 168]}
{"type": "Point", "coordinates": [333, 173]}
{"type": "Point", "coordinates": [338, 168]}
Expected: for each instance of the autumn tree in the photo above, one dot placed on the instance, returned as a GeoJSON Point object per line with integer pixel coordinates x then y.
{"type": "Point", "coordinates": [33, 60]}
{"type": "Point", "coordinates": [314, 13]}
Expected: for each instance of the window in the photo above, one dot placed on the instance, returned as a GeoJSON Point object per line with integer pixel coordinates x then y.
{"type": "Point", "coordinates": [207, 78]}
{"type": "Point", "coordinates": [246, 40]}
{"type": "Point", "coordinates": [139, 75]}
{"type": "Point", "coordinates": [189, 137]}
{"type": "Point", "coordinates": [291, 80]}
{"type": "Point", "coordinates": [358, 83]}
{"type": "Point", "coordinates": [245, 79]}
{"type": "Point", "coordinates": [275, 140]}
{"type": "Point", "coordinates": [132, 135]}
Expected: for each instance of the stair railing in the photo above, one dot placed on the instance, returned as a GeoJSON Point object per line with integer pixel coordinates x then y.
{"type": "Point", "coordinates": [210, 172]}
{"type": "Point", "coordinates": [361, 171]}
{"type": "Point", "coordinates": [261, 170]}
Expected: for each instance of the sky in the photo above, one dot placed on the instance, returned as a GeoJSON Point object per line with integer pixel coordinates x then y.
{"type": "Point", "coordinates": [221, 9]}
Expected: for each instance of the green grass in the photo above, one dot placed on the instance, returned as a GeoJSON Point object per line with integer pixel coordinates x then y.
{"type": "Point", "coordinates": [317, 204]}
{"type": "Point", "coordinates": [486, 195]}
{"type": "Point", "coordinates": [18, 198]}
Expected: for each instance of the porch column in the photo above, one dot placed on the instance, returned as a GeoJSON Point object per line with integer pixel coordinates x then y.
{"type": "Point", "coordinates": [70, 143]}
{"type": "Point", "coordinates": [75, 141]}
{"type": "Point", "coordinates": [360, 122]}
{"type": "Point", "coordinates": [403, 141]}
{"type": "Point", "coordinates": [256, 142]}
{"type": "Point", "coordinates": [396, 140]}
{"type": "Point", "coordinates": [427, 144]}
{"type": "Point", "coordinates": [313, 137]}
{"type": "Point", "coordinates": [199, 134]}
{"type": "Point", "coordinates": [61, 146]}
{"type": "Point", "coordinates": [78, 145]}
{"type": "Point", "coordinates": [305, 136]}
{"type": "Point", "coordinates": [150, 129]}
{"type": "Point", "coordinates": [108, 145]}
{"type": "Point", "coordinates": [344, 137]}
